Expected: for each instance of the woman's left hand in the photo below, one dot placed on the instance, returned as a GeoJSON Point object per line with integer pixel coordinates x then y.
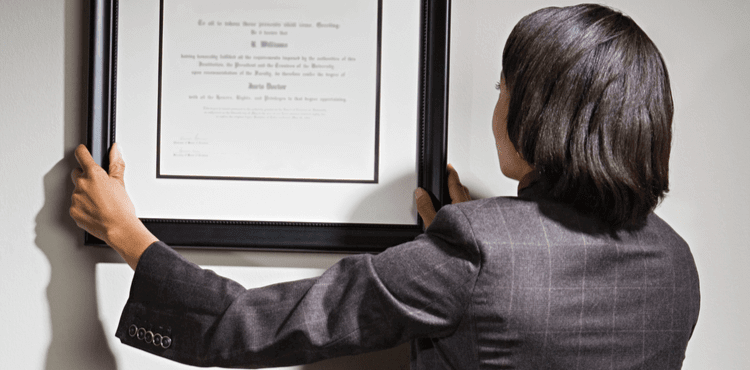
{"type": "Point", "coordinates": [457, 191]}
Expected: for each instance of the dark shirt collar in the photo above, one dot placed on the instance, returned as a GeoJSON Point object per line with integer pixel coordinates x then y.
{"type": "Point", "coordinates": [530, 185]}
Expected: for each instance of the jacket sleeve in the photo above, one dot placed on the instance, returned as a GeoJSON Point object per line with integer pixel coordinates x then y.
{"type": "Point", "coordinates": [363, 303]}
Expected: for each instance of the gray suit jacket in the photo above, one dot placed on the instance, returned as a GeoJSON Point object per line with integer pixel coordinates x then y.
{"type": "Point", "coordinates": [500, 283]}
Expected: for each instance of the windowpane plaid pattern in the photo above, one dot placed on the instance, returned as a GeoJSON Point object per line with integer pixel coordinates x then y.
{"type": "Point", "coordinates": [500, 283]}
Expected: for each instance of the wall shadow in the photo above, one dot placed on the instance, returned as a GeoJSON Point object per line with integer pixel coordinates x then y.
{"type": "Point", "coordinates": [396, 358]}
{"type": "Point", "coordinates": [78, 339]}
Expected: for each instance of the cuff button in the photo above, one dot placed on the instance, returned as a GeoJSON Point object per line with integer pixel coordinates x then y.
{"type": "Point", "coordinates": [149, 337]}
{"type": "Point", "coordinates": [166, 342]}
{"type": "Point", "coordinates": [132, 330]}
{"type": "Point", "coordinates": [141, 334]}
{"type": "Point", "coordinates": [157, 339]}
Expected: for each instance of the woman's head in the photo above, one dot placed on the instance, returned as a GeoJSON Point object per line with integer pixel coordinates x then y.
{"type": "Point", "coordinates": [590, 109]}
{"type": "Point", "coordinates": [511, 162]}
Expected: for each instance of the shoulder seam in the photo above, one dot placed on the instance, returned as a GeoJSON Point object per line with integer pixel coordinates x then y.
{"type": "Point", "coordinates": [467, 311]}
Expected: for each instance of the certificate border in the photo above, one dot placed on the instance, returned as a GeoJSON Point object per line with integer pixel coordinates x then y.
{"type": "Point", "coordinates": [288, 236]}
{"type": "Point", "coordinates": [373, 180]}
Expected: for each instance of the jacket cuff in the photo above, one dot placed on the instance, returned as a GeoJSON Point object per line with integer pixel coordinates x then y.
{"type": "Point", "coordinates": [150, 331]}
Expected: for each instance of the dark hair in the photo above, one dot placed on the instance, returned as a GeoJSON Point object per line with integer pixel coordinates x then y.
{"type": "Point", "coordinates": [591, 110]}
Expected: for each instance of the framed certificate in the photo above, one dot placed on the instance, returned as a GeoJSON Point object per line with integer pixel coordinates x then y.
{"type": "Point", "coordinates": [292, 125]}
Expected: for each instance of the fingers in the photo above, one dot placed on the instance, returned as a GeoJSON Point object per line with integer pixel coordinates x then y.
{"type": "Point", "coordinates": [425, 208]}
{"type": "Point", "coordinates": [116, 164]}
{"type": "Point", "coordinates": [84, 158]}
{"type": "Point", "coordinates": [456, 190]}
{"type": "Point", "coordinates": [75, 174]}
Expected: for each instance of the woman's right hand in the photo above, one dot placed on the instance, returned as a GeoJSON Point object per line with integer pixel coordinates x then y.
{"type": "Point", "coordinates": [101, 206]}
{"type": "Point", "coordinates": [457, 191]}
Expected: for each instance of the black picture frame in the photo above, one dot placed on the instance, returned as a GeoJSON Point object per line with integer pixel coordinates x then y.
{"type": "Point", "coordinates": [285, 236]}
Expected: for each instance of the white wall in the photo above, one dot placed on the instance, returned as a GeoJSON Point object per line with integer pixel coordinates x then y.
{"type": "Point", "coordinates": [59, 301]}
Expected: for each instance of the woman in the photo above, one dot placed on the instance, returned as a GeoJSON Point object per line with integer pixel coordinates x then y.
{"type": "Point", "coordinates": [574, 273]}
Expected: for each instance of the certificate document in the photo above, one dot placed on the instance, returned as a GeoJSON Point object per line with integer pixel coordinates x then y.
{"type": "Point", "coordinates": [269, 90]}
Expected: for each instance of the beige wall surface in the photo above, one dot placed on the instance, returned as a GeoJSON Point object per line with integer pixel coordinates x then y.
{"type": "Point", "coordinates": [60, 301]}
